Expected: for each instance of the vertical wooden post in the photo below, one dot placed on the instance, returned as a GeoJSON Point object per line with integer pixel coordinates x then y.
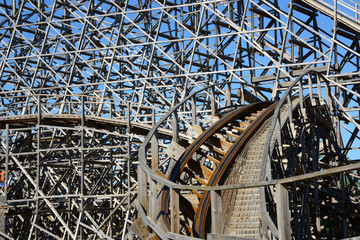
{"type": "Point", "coordinates": [3, 212]}
{"type": "Point", "coordinates": [142, 180]}
{"type": "Point", "coordinates": [213, 103]}
{"type": "Point", "coordinates": [128, 152]}
{"type": "Point", "coordinates": [39, 110]}
{"type": "Point", "coordinates": [301, 96]}
{"type": "Point", "coordinates": [110, 110]}
{"type": "Point", "coordinates": [242, 95]}
{"type": "Point", "coordinates": [228, 93]}
{"type": "Point", "coordinates": [154, 147]}
{"type": "Point", "coordinates": [282, 212]}
{"type": "Point", "coordinates": [38, 157]}
{"type": "Point", "coordinates": [175, 127]}
{"type": "Point", "coordinates": [7, 157]}
{"type": "Point", "coordinates": [82, 164]}
{"type": "Point", "coordinates": [3, 200]}
{"type": "Point", "coordinates": [153, 203]}
{"type": "Point", "coordinates": [278, 133]}
{"type": "Point", "coordinates": [216, 212]}
{"type": "Point", "coordinates": [318, 81]}
{"type": "Point", "coordinates": [290, 108]}
{"type": "Point", "coordinates": [111, 186]}
{"type": "Point", "coordinates": [193, 111]}
{"type": "Point", "coordinates": [311, 91]}
{"type": "Point", "coordinates": [174, 206]}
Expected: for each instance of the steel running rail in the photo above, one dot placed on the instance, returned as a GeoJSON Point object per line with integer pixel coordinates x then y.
{"type": "Point", "coordinates": [230, 156]}
{"type": "Point", "coordinates": [296, 87]}
{"type": "Point", "coordinates": [202, 138]}
{"type": "Point", "coordinates": [145, 171]}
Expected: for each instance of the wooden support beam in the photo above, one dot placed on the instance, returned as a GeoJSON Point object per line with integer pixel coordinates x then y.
{"type": "Point", "coordinates": [323, 173]}
{"type": "Point", "coordinates": [3, 212]}
{"type": "Point", "coordinates": [216, 212]}
{"type": "Point", "coordinates": [211, 236]}
{"type": "Point", "coordinates": [175, 210]}
{"type": "Point", "coordinates": [282, 212]}
{"type": "Point", "coordinates": [294, 73]}
{"type": "Point", "coordinates": [142, 186]}
{"type": "Point", "coordinates": [175, 236]}
{"type": "Point", "coordinates": [149, 222]}
{"type": "Point", "coordinates": [153, 201]}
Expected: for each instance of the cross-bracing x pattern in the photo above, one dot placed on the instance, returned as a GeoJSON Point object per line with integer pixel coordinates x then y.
{"type": "Point", "coordinates": [76, 75]}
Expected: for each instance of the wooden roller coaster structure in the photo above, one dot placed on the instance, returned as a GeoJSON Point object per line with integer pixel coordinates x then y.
{"type": "Point", "coordinates": [179, 119]}
{"type": "Point", "coordinates": [265, 169]}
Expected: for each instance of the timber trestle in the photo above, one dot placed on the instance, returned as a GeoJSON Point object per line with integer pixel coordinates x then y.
{"type": "Point", "coordinates": [228, 182]}
{"type": "Point", "coordinates": [179, 119]}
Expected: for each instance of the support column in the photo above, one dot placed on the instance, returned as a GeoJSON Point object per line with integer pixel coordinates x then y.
{"type": "Point", "coordinates": [154, 203]}
{"type": "Point", "coordinates": [216, 212]}
{"type": "Point", "coordinates": [128, 152]}
{"type": "Point", "coordinates": [282, 212]}
{"type": "Point", "coordinates": [175, 126]}
{"type": "Point", "coordinates": [82, 178]}
{"type": "Point", "coordinates": [3, 212]}
{"type": "Point", "coordinates": [38, 157]}
{"type": "Point", "coordinates": [142, 185]}
{"type": "Point", "coordinates": [174, 206]}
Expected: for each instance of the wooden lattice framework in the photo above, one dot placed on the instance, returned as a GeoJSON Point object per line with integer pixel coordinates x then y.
{"type": "Point", "coordinates": [82, 83]}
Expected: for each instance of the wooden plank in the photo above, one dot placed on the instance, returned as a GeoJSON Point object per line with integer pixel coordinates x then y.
{"type": "Point", "coordinates": [219, 150]}
{"type": "Point", "coordinates": [153, 201]}
{"type": "Point", "coordinates": [139, 229]}
{"type": "Point", "coordinates": [199, 169]}
{"type": "Point", "coordinates": [225, 144]}
{"type": "Point", "coordinates": [216, 212]}
{"type": "Point", "coordinates": [206, 172]}
{"type": "Point", "coordinates": [212, 236]}
{"type": "Point", "coordinates": [344, 20]}
{"type": "Point", "coordinates": [175, 210]}
{"type": "Point", "coordinates": [282, 212]}
{"type": "Point", "coordinates": [303, 10]}
{"type": "Point", "coordinates": [3, 212]}
{"type": "Point", "coordinates": [175, 150]}
{"type": "Point", "coordinates": [142, 186]}
{"type": "Point", "coordinates": [154, 152]}
{"type": "Point", "coordinates": [192, 198]}
{"type": "Point", "coordinates": [323, 173]}
{"type": "Point", "coordinates": [148, 221]}
{"type": "Point", "coordinates": [180, 237]}
{"type": "Point", "coordinates": [295, 73]}
{"type": "Point", "coordinates": [199, 195]}
{"type": "Point", "coordinates": [156, 229]}
{"type": "Point", "coordinates": [230, 134]}
{"type": "Point", "coordinates": [32, 120]}
{"type": "Point", "coordinates": [303, 177]}
{"type": "Point", "coordinates": [201, 180]}
{"type": "Point", "coordinates": [214, 160]}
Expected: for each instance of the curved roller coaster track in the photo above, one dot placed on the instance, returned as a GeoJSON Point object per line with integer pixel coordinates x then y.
{"type": "Point", "coordinates": [179, 119]}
